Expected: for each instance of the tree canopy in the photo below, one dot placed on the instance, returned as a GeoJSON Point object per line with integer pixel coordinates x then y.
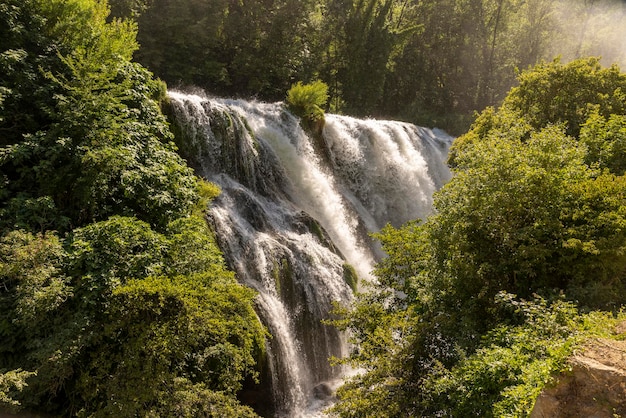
{"type": "Point", "coordinates": [530, 230]}
{"type": "Point", "coordinates": [433, 62]}
{"type": "Point", "coordinates": [114, 297]}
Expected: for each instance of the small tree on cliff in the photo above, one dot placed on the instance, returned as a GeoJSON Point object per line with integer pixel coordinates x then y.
{"type": "Point", "coordinates": [307, 100]}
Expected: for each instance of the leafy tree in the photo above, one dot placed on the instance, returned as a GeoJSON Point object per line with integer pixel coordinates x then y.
{"type": "Point", "coordinates": [24, 49]}
{"type": "Point", "coordinates": [606, 141]}
{"type": "Point", "coordinates": [102, 131]}
{"type": "Point", "coordinates": [34, 291]}
{"type": "Point", "coordinates": [171, 338]}
{"type": "Point", "coordinates": [32, 267]}
{"type": "Point", "coordinates": [553, 93]}
{"type": "Point", "coordinates": [461, 56]}
{"type": "Point", "coordinates": [568, 93]}
{"type": "Point", "coordinates": [252, 47]}
{"type": "Point", "coordinates": [362, 39]}
{"type": "Point", "coordinates": [14, 380]}
{"type": "Point", "coordinates": [534, 216]}
{"type": "Point", "coordinates": [529, 211]}
{"type": "Point", "coordinates": [506, 374]}
{"type": "Point", "coordinates": [179, 40]}
{"type": "Point", "coordinates": [106, 259]}
{"type": "Point", "coordinates": [383, 335]}
{"type": "Point", "coordinates": [266, 46]}
{"type": "Point", "coordinates": [35, 314]}
{"type": "Point", "coordinates": [531, 208]}
{"type": "Point", "coordinates": [101, 320]}
{"type": "Point", "coordinates": [128, 8]}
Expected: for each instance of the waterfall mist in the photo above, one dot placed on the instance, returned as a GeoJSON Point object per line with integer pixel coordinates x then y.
{"type": "Point", "coordinates": [294, 218]}
{"type": "Point", "coordinates": [591, 28]}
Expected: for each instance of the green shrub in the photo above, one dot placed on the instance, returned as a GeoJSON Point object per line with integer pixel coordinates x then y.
{"type": "Point", "coordinates": [12, 381]}
{"type": "Point", "coordinates": [513, 364]}
{"type": "Point", "coordinates": [307, 100]}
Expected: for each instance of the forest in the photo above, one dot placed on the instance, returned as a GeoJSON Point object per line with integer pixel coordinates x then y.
{"type": "Point", "coordinates": [115, 298]}
{"type": "Point", "coordinates": [433, 63]}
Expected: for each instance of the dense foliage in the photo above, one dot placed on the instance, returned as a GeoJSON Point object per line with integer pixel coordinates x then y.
{"type": "Point", "coordinates": [477, 306]}
{"type": "Point", "coordinates": [429, 62]}
{"type": "Point", "coordinates": [114, 298]}
{"type": "Point", "coordinates": [307, 100]}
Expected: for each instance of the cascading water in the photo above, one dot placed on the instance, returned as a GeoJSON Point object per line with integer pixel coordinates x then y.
{"type": "Point", "coordinates": [294, 216]}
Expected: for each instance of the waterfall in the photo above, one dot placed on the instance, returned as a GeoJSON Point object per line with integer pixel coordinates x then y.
{"type": "Point", "coordinates": [294, 218]}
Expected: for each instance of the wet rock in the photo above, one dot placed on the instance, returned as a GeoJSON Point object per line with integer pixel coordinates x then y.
{"type": "Point", "coordinates": [323, 391]}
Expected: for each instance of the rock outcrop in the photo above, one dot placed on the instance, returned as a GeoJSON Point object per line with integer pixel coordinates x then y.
{"type": "Point", "coordinates": [594, 387]}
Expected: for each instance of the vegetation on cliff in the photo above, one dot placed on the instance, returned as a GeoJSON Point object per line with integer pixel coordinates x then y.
{"type": "Point", "coordinates": [114, 298]}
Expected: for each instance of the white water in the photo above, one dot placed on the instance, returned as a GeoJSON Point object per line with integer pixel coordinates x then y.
{"type": "Point", "coordinates": [293, 211]}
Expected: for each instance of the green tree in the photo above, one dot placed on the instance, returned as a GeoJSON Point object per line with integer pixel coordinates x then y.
{"type": "Point", "coordinates": [362, 40]}
{"type": "Point", "coordinates": [464, 57]}
{"type": "Point", "coordinates": [525, 216]}
{"type": "Point", "coordinates": [179, 41]}
{"type": "Point", "coordinates": [102, 320]}
{"type": "Point", "coordinates": [568, 93]}
{"type": "Point", "coordinates": [530, 210]}
{"type": "Point", "coordinates": [34, 289]}
{"type": "Point", "coordinates": [14, 380]}
{"type": "Point", "coordinates": [252, 47]}
{"type": "Point", "coordinates": [515, 360]}
{"type": "Point", "coordinates": [101, 131]}
{"type": "Point", "coordinates": [23, 49]}
{"type": "Point", "coordinates": [106, 259]}
{"type": "Point", "coordinates": [606, 142]}
{"type": "Point", "coordinates": [554, 93]}
{"type": "Point", "coordinates": [173, 338]}
{"type": "Point", "coordinates": [266, 45]}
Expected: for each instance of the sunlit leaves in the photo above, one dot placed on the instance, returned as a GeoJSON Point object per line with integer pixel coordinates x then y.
{"type": "Point", "coordinates": [533, 209]}
{"type": "Point", "coordinates": [128, 308]}
{"type": "Point", "coordinates": [80, 27]}
{"type": "Point", "coordinates": [167, 338]}
{"type": "Point", "coordinates": [12, 381]}
{"type": "Point", "coordinates": [32, 266]}
{"type": "Point", "coordinates": [382, 355]}
{"type": "Point", "coordinates": [307, 100]}
{"type": "Point", "coordinates": [530, 215]}
{"type": "Point", "coordinates": [151, 309]}
{"type": "Point", "coordinates": [542, 209]}
{"type": "Point", "coordinates": [114, 250]}
{"type": "Point", "coordinates": [506, 374]}
{"type": "Point", "coordinates": [606, 141]}
{"type": "Point", "coordinates": [568, 93]}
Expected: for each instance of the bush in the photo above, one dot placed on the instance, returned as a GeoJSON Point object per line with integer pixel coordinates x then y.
{"type": "Point", "coordinates": [513, 364]}
{"type": "Point", "coordinates": [534, 209]}
{"type": "Point", "coordinates": [306, 100]}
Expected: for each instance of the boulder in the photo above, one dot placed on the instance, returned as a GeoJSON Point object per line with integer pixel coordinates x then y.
{"type": "Point", "coordinates": [593, 387]}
